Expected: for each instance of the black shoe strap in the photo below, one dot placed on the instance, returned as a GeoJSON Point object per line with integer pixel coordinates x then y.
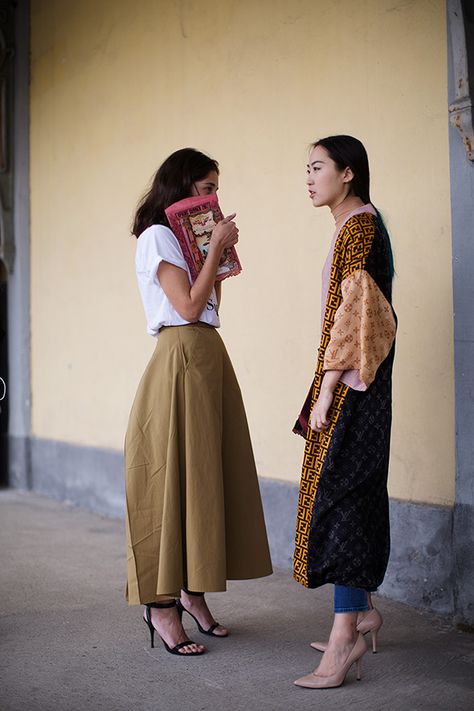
{"type": "Point", "coordinates": [160, 605]}
{"type": "Point", "coordinates": [190, 592]}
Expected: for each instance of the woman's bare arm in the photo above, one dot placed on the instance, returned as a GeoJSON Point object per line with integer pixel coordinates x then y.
{"type": "Point", "coordinates": [189, 300]}
{"type": "Point", "coordinates": [319, 415]}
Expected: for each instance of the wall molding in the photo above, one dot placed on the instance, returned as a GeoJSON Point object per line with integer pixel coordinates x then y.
{"type": "Point", "coordinates": [460, 108]}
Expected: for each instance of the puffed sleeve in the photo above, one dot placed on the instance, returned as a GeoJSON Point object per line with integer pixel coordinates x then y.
{"type": "Point", "coordinates": [364, 328]}
{"type": "Point", "coordinates": [155, 245]}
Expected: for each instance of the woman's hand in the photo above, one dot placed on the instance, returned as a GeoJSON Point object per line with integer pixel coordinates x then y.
{"type": "Point", "coordinates": [319, 420]}
{"type": "Point", "coordinates": [190, 300]}
{"type": "Point", "coordinates": [224, 235]}
{"type": "Point", "coordinates": [319, 414]}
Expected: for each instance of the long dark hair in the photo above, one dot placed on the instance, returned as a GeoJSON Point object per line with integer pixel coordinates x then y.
{"type": "Point", "coordinates": [173, 181]}
{"type": "Point", "coordinates": [349, 152]}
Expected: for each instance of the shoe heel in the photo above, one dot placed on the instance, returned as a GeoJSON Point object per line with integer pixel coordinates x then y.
{"type": "Point", "coordinates": [147, 620]}
{"type": "Point", "coordinates": [374, 641]}
{"type": "Point", "coordinates": [359, 669]}
{"type": "Point", "coordinates": [172, 650]}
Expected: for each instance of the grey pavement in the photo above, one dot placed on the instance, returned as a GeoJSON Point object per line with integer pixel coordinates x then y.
{"type": "Point", "coordinates": [69, 642]}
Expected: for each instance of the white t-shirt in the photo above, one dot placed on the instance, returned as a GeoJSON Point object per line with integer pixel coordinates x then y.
{"type": "Point", "coordinates": [156, 244]}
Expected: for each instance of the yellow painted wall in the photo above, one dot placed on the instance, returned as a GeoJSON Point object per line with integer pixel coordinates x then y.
{"type": "Point", "coordinates": [117, 85]}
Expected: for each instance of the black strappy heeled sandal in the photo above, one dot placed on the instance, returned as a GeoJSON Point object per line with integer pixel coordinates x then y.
{"type": "Point", "coordinates": [177, 647]}
{"type": "Point", "coordinates": [211, 629]}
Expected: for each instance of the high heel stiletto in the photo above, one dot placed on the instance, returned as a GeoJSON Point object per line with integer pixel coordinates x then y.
{"type": "Point", "coordinates": [313, 681]}
{"type": "Point", "coordinates": [177, 647]}
{"type": "Point", "coordinates": [371, 622]}
{"type": "Point", "coordinates": [210, 630]}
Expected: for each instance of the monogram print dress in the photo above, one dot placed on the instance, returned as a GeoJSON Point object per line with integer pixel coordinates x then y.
{"type": "Point", "coordinates": [342, 528]}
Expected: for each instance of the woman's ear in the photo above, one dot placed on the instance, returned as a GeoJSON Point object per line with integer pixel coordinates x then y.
{"type": "Point", "coordinates": [348, 175]}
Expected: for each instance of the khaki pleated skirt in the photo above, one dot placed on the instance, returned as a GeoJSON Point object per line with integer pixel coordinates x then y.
{"type": "Point", "coordinates": [194, 513]}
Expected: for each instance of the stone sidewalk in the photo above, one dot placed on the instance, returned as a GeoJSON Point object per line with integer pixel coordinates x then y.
{"type": "Point", "coordinates": [69, 642]}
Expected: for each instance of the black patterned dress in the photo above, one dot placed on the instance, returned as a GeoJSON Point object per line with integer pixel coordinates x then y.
{"type": "Point", "coordinates": [342, 528]}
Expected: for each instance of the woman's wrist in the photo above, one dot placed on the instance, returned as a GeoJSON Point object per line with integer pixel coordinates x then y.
{"type": "Point", "coordinates": [330, 380]}
{"type": "Point", "coordinates": [215, 252]}
{"type": "Point", "coordinates": [201, 290]}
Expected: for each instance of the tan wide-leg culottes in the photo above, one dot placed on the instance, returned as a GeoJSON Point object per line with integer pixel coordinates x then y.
{"type": "Point", "coordinates": [194, 513]}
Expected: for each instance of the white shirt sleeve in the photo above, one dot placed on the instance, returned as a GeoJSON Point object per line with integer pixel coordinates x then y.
{"type": "Point", "coordinates": [157, 244]}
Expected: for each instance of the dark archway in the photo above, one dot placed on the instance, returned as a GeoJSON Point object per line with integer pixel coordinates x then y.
{"type": "Point", "coordinates": [7, 238]}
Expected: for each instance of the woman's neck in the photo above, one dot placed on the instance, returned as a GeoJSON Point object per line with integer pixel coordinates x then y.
{"type": "Point", "coordinates": [344, 208]}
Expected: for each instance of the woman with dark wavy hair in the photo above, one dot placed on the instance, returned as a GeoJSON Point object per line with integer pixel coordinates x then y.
{"type": "Point", "coordinates": [194, 514]}
{"type": "Point", "coordinates": [342, 528]}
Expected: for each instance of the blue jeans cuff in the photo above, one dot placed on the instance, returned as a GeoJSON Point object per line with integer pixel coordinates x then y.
{"type": "Point", "coordinates": [355, 608]}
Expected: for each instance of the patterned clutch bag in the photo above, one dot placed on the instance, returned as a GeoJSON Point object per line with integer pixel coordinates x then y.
{"type": "Point", "coordinates": [192, 221]}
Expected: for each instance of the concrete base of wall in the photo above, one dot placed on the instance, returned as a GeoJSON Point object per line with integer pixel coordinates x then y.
{"type": "Point", "coordinates": [420, 566]}
{"type": "Point", "coordinates": [420, 571]}
{"type": "Point", "coordinates": [86, 476]}
{"type": "Point", "coordinates": [19, 462]}
{"type": "Point", "coordinates": [463, 574]}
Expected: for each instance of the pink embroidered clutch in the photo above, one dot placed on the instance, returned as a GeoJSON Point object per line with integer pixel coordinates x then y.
{"type": "Point", "coordinates": [192, 221]}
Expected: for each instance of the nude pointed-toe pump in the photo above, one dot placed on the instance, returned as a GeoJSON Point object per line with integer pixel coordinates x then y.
{"type": "Point", "coordinates": [313, 681]}
{"type": "Point", "coordinates": [371, 622]}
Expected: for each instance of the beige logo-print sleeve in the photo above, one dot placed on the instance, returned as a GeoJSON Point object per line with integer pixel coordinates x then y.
{"type": "Point", "coordinates": [364, 328]}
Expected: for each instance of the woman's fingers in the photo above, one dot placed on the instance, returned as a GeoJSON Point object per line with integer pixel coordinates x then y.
{"type": "Point", "coordinates": [321, 428]}
{"type": "Point", "coordinates": [324, 421]}
{"type": "Point", "coordinates": [228, 227]}
{"type": "Point", "coordinates": [225, 234]}
{"type": "Point", "coordinates": [232, 237]}
{"type": "Point", "coordinates": [319, 420]}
